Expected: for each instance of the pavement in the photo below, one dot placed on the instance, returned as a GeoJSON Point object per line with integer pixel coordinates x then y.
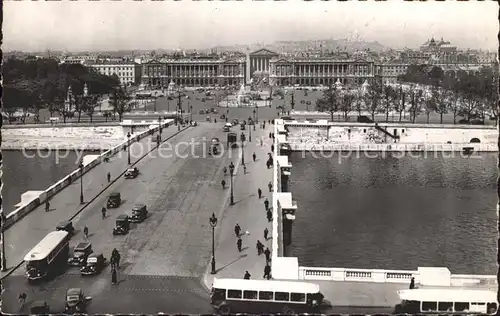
{"type": "Point", "coordinates": [248, 211]}
{"type": "Point", "coordinates": [168, 252]}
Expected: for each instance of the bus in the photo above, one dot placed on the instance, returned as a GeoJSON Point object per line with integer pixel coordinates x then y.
{"type": "Point", "coordinates": [438, 301]}
{"type": "Point", "coordinates": [263, 296]}
{"type": "Point", "coordinates": [48, 255]}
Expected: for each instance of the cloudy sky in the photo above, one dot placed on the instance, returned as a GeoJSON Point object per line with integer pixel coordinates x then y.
{"type": "Point", "coordinates": [109, 25]}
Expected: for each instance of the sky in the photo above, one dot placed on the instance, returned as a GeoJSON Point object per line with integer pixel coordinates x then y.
{"type": "Point", "coordinates": [128, 25]}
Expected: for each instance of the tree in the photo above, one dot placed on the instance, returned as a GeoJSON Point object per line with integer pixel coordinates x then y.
{"type": "Point", "coordinates": [429, 106]}
{"type": "Point", "coordinates": [400, 101]}
{"type": "Point", "coordinates": [439, 97]}
{"type": "Point", "coordinates": [120, 102]}
{"type": "Point", "coordinates": [347, 102]}
{"type": "Point", "coordinates": [328, 102]}
{"type": "Point", "coordinates": [416, 96]}
{"type": "Point", "coordinates": [372, 99]}
{"type": "Point", "coordinates": [389, 96]}
{"type": "Point", "coordinates": [358, 102]}
{"type": "Point", "coordinates": [90, 105]}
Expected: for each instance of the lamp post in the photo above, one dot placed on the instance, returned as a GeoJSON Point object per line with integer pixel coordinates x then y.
{"type": "Point", "coordinates": [179, 109]}
{"type": "Point", "coordinates": [231, 173]}
{"type": "Point", "coordinates": [213, 223]}
{"type": "Point", "coordinates": [2, 225]}
{"type": "Point", "coordinates": [128, 147]}
{"type": "Point", "coordinates": [191, 111]}
{"type": "Point", "coordinates": [159, 125]}
{"type": "Point", "coordinates": [254, 119]}
{"type": "Point", "coordinates": [81, 182]}
{"type": "Point", "coordinates": [242, 138]}
{"type": "Point", "coordinates": [250, 130]}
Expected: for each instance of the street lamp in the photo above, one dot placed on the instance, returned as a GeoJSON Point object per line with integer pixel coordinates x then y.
{"type": "Point", "coordinates": [213, 223]}
{"type": "Point", "coordinates": [242, 138]}
{"type": "Point", "coordinates": [81, 182]}
{"type": "Point", "coordinates": [2, 227]}
{"type": "Point", "coordinates": [128, 147]}
{"type": "Point", "coordinates": [254, 119]}
{"type": "Point", "coordinates": [231, 173]}
{"type": "Point", "coordinates": [159, 124]}
{"type": "Point", "coordinates": [191, 111]}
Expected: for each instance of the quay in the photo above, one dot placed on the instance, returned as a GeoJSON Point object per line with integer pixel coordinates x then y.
{"type": "Point", "coordinates": [166, 259]}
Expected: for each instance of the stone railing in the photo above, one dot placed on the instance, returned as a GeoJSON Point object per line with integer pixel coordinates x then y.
{"type": "Point", "coordinates": [393, 147]}
{"type": "Point", "coordinates": [25, 209]}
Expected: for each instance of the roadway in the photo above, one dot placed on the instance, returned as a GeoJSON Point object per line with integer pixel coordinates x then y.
{"type": "Point", "coordinates": [169, 252]}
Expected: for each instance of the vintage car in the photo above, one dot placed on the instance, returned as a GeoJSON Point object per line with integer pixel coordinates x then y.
{"type": "Point", "coordinates": [242, 126]}
{"type": "Point", "coordinates": [194, 123]}
{"type": "Point", "coordinates": [201, 111]}
{"type": "Point", "coordinates": [94, 265]}
{"type": "Point", "coordinates": [122, 225]}
{"type": "Point", "coordinates": [235, 122]}
{"type": "Point", "coordinates": [39, 308]}
{"type": "Point", "coordinates": [232, 139]}
{"type": "Point", "coordinates": [131, 173]}
{"type": "Point", "coordinates": [66, 226]}
{"type": "Point", "coordinates": [114, 200]}
{"type": "Point", "coordinates": [139, 213]}
{"type": "Point", "coordinates": [76, 301]}
{"type": "Point", "coordinates": [227, 127]}
{"type": "Point", "coordinates": [80, 254]}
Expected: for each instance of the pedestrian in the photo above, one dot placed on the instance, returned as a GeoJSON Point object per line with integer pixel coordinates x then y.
{"type": "Point", "coordinates": [254, 157]}
{"type": "Point", "coordinates": [412, 283]}
{"type": "Point", "coordinates": [259, 192]}
{"type": "Point", "coordinates": [270, 186]}
{"type": "Point", "coordinates": [103, 211]}
{"type": "Point", "coordinates": [113, 276]}
{"type": "Point", "coordinates": [237, 230]}
{"type": "Point", "coordinates": [269, 215]}
{"type": "Point", "coordinates": [223, 182]}
{"type": "Point", "coordinates": [47, 206]}
{"type": "Point", "coordinates": [225, 170]}
{"type": "Point", "coordinates": [215, 120]}
{"type": "Point", "coordinates": [266, 204]}
{"type": "Point", "coordinates": [22, 299]}
{"type": "Point", "coordinates": [267, 252]}
{"type": "Point", "coordinates": [247, 275]}
{"type": "Point", "coordinates": [269, 134]}
{"type": "Point", "coordinates": [272, 148]}
{"type": "Point", "coordinates": [109, 177]}
{"type": "Point", "coordinates": [86, 232]}
{"type": "Point", "coordinates": [244, 169]}
{"type": "Point", "coordinates": [266, 233]}
{"type": "Point", "coordinates": [261, 142]}
{"type": "Point", "coordinates": [238, 243]}
{"type": "Point", "coordinates": [267, 272]}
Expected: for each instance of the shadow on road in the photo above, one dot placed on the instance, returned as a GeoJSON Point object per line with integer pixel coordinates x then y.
{"type": "Point", "coordinates": [230, 263]}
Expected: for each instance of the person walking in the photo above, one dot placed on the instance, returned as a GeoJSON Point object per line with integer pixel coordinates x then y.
{"type": "Point", "coordinates": [238, 243]}
{"type": "Point", "coordinates": [272, 148]}
{"type": "Point", "coordinates": [244, 169]}
{"type": "Point", "coordinates": [109, 177]}
{"type": "Point", "coordinates": [260, 248]}
{"type": "Point", "coordinates": [267, 272]}
{"type": "Point", "coordinates": [254, 156]}
{"type": "Point", "coordinates": [47, 206]}
{"type": "Point", "coordinates": [237, 230]}
{"type": "Point", "coordinates": [270, 186]}
{"type": "Point", "coordinates": [412, 283]}
{"type": "Point", "coordinates": [266, 204]}
{"type": "Point", "coordinates": [266, 232]}
{"type": "Point", "coordinates": [114, 277]}
{"type": "Point", "coordinates": [261, 142]}
{"type": "Point", "coordinates": [267, 253]}
{"type": "Point", "coordinates": [103, 211]}
{"type": "Point", "coordinates": [86, 232]}
{"type": "Point", "coordinates": [269, 134]}
{"type": "Point", "coordinates": [225, 170]}
{"type": "Point", "coordinates": [247, 275]}
{"type": "Point", "coordinates": [259, 192]}
{"type": "Point", "coordinates": [22, 299]}
{"type": "Point", "coordinates": [269, 216]}
{"type": "Point", "coordinates": [223, 182]}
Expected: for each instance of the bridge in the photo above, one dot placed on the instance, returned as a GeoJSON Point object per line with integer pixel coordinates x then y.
{"type": "Point", "coordinates": [165, 263]}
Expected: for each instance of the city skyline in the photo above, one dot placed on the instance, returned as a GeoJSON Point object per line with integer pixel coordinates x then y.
{"type": "Point", "coordinates": [111, 26]}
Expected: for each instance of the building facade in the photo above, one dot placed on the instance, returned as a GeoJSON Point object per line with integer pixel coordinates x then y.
{"type": "Point", "coordinates": [195, 72]}
{"type": "Point", "coordinates": [128, 72]}
{"type": "Point", "coordinates": [388, 72]}
{"type": "Point", "coordinates": [316, 71]}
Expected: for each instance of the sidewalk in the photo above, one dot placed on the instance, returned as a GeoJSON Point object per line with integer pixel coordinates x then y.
{"type": "Point", "coordinates": [26, 233]}
{"type": "Point", "coordinates": [248, 212]}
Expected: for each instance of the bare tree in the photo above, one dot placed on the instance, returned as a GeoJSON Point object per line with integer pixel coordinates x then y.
{"type": "Point", "coordinates": [346, 104]}
{"type": "Point", "coordinates": [400, 102]}
{"type": "Point", "coordinates": [440, 99]}
{"type": "Point", "coordinates": [416, 96]}
{"type": "Point", "coordinates": [329, 102]}
{"type": "Point", "coordinates": [372, 99]}
{"type": "Point", "coordinates": [429, 106]}
{"type": "Point", "coordinates": [120, 102]}
{"type": "Point", "coordinates": [90, 105]}
{"type": "Point", "coordinates": [389, 96]}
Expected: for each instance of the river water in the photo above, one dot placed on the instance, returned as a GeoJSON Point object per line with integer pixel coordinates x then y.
{"type": "Point", "coordinates": [34, 170]}
{"type": "Point", "coordinates": [395, 213]}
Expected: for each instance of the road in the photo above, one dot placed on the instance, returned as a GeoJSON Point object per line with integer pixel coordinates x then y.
{"type": "Point", "coordinates": [168, 252]}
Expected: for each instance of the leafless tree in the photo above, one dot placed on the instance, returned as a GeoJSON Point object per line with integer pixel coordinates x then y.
{"type": "Point", "coordinates": [372, 99]}
{"type": "Point", "coordinates": [347, 102]}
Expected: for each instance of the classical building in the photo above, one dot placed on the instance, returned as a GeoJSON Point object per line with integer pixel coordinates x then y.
{"type": "Point", "coordinates": [388, 72]}
{"type": "Point", "coordinates": [315, 71]}
{"type": "Point", "coordinates": [194, 72]}
{"type": "Point", "coordinates": [259, 63]}
{"type": "Point", "coordinates": [128, 72]}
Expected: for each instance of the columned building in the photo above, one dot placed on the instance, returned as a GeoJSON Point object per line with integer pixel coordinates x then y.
{"type": "Point", "coordinates": [194, 72]}
{"type": "Point", "coordinates": [316, 71]}
{"type": "Point", "coordinates": [260, 63]}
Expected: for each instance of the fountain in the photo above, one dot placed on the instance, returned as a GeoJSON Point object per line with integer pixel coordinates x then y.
{"type": "Point", "coordinates": [171, 88]}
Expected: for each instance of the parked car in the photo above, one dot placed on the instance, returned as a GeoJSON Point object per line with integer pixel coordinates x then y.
{"type": "Point", "coordinates": [131, 173]}
{"type": "Point", "coordinates": [114, 200]}
{"type": "Point", "coordinates": [139, 213]}
{"type": "Point", "coordinates": [66, 226]}
{"type": "Point", "coordinates": [76, 301]}
{"type": "Point", "coordinates": [122, 225]}
{"type": "Point", "coordinates": [80, 254]}
{"type": "Point", "coordinates": [94, 264]}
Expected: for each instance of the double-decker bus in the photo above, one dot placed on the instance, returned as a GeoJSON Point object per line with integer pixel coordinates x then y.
{"type": "Point", "coordinates": [49, 255]}
{"type": "Point", "coordinates": [263, 296]}
{"type": "Point", "coordinates": [443, 301]}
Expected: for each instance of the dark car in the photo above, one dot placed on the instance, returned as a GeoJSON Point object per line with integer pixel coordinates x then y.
{"type": "Point", "coordinates": [131, 173]}
{"type": "Point", "coordinates": [139, 213]}
{"type": "Point", "coordinates": [94, 265]}
{"type": "Point", "coordinates": [201, 111]}
{"type": "Point", "coordinates": [66, 226]}
{"type": "Point", "coordinates": [39, 307]}
{"type": "Point", "coordinates": [232, 138]}
{"type": "Point", "coordinates": [235, 122]}
{"type": "Point", "coordinates": [75, 301]}
{"type": "Point", "coordinates": [114, 200]}
{"type": "Point", "coordinates": [80, 254]}
{"type": "Point", "coordinates": [122, 225]}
